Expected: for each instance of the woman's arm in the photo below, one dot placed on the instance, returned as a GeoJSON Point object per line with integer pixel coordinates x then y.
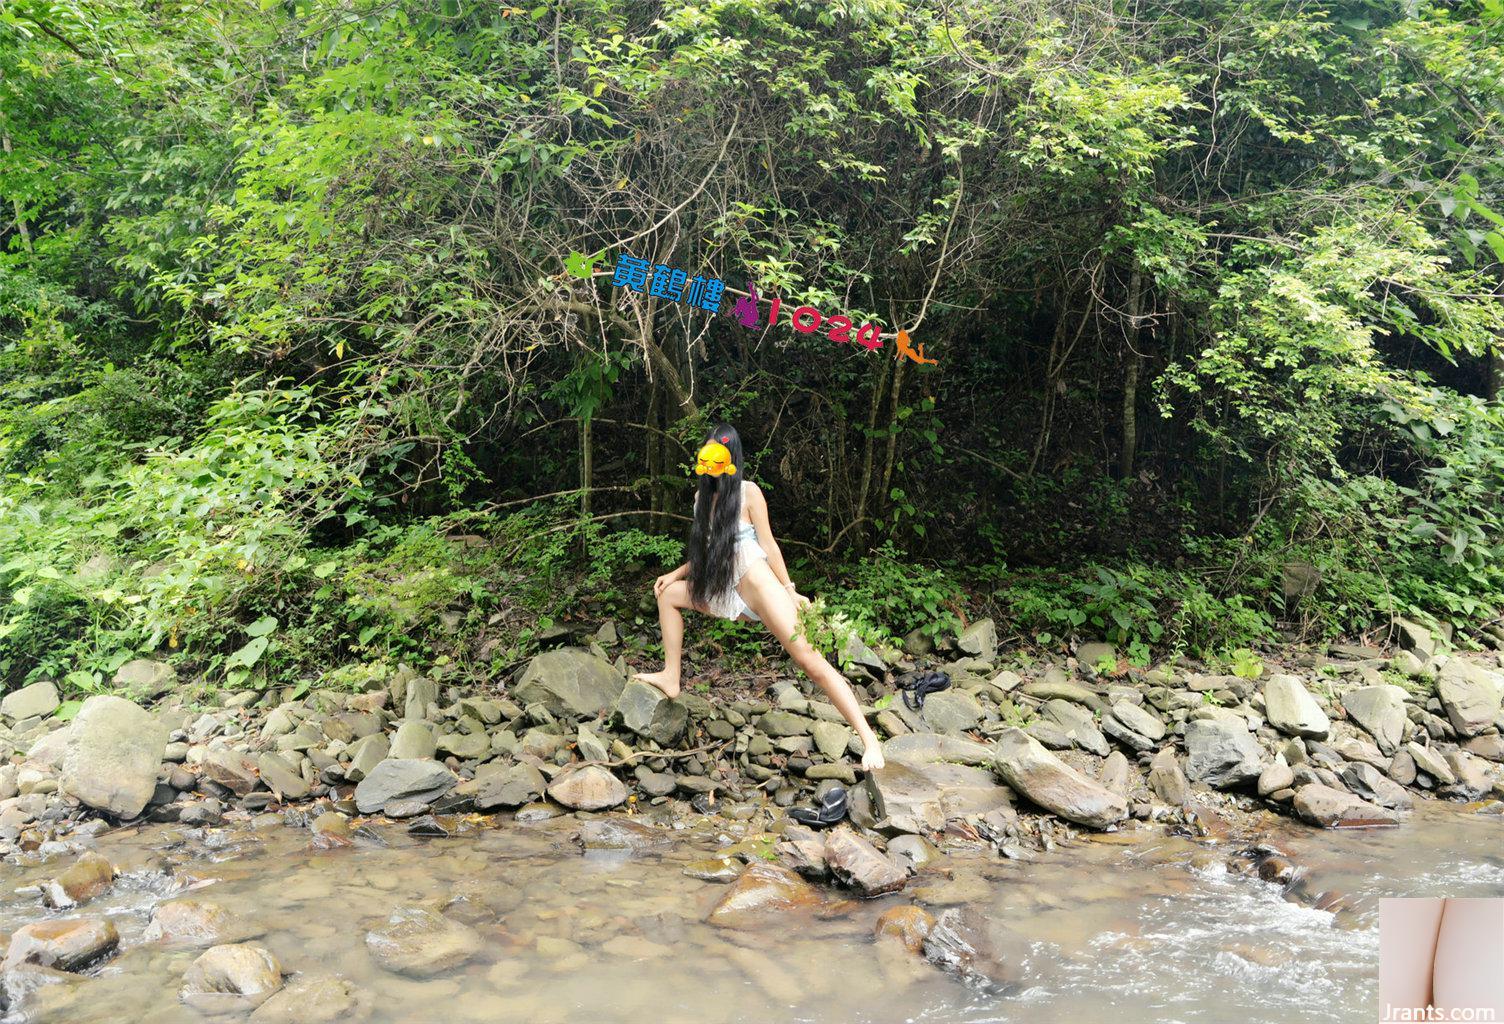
{"type": "Point", "coordinates": [757, 509]}
{"type": "Point", "coordinates": [669, 578]}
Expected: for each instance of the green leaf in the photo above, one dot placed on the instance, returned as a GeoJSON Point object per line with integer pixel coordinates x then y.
{"type": "Point", "coordinates": [261, 626]}
{"type": "Point", "coordinates": [248, 655]}
{"type": "Point", "coordinates": [67, 710]}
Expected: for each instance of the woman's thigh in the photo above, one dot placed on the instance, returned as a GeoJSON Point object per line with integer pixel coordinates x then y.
{"type": "Point", "coordinates": [676, 595]}
{"type": "Point", "coordinates": [1407, 949]}
{"type": "Point", "coordinates": [1469, 972]}
{"type": "Point", "coordinates": [768, 598]}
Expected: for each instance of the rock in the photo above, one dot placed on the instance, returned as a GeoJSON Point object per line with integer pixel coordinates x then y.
{"type": "Point", "coordinates": [922, 797]}
{"type": "Point", "coordinates": [1045, 689]}
{"type": "Point", "coordinates": [1372, 785]}
{"type": "Point", "coordinates": [365, 754]}
{"type": "Point", "coordinates": [35, 701]}
{"type": "Point", "coordinates": [1327, 807]}
{"type": "Point", "coordinates": [1141, 721]}
{"type": "Point", "coordinates": [589, 788]}
{"type": "Point", "coordinates": [230, 979]}
{"type": "Point", "coordinates": [910, 925]}
{"type": "Point", "coordinates": [1430, 762]}
{"type": "Point", "coordinates": [1221, 754]}
{"type": "Point", "coordinates": [1402, 768]}
{"type": "Point", "coordinates": [202, 813]}
{"type": "Point", "coordinates": [570, 681]}
{"type": "Point", "coordinates": [1291, 709]}
{"type": "Point", "coordinates": [35, 993]}
{"type": "Point", "coordinates": [1115, 728]}
{"type": "Point", "coordinates": [721, 869]}
{"type": "Point", "coordinates": [958, 942]}
{"type": "Point", "coordinates": [51, 748]}
{"type": "Point", "coordinates": [231, 769]}
{"type": "Point", "coordinates": [513, 786]}
{"type": "Point", "coordinates": [413, 741]}
{"type": "Point", "coordinates": [196, 923]}
{"type": "Point", "coordinates": [313, 999]}
{"type": "Point", "coordinates": [1470, 694]}
{"type": "Point", "coordinates": [1090, 655]}
{"type": "Point", "coordinates": [784, 723]}
{"type": "Point", "coordinates": [1275, 777]}
{"type": "Point", "coordinates": [643, 709]}
{"type": "Point", "coordinates": [1471, 773]}
{"type": "Point", "coordinates": [1489, 747]}
{"type": "Point", "coordinates": [84, 879]}
{"type": "Point", "coordinates": [925, 747]}
{"type": "Point", "coordinates": [421, 692]}
{"type": "Point", "coordinates": [1380, 710]}
{"type": "Point", "coordinates": [763, 892]}
{"type": "Point", "coordinates": [615, 833]}
{"type": "Point", "coordinates": [1415, 638]}
{"type": "Point", "coordinates": [857, 654]}
{"type": "Point", "coordinates": [281, 777]}
{"type": "Point", "coordinates": [855, 862]}
{"type": "Point", "coordinates": [464, 746]}
{"type": "Point", "coordinates": [979, 639]}
{"type": "Point", "coordinates": [400, 779]}
{"type": "Point", "coordinates": [421, 943]}
{"type": "Point", "coordinates": [1115, 773]}
{"type": "Point", "coordinates": [952, 712]}
{"type": "Point", "coordinates": [1047, 781]}
{"type": "Point", "coordinates": [831, 739]}
{"type": "Point", "coordinates": [147, 677]}
{"type": "Point", "coordinates": [113, 755]}
{"type": "Point", "coordinates": [67, 945]}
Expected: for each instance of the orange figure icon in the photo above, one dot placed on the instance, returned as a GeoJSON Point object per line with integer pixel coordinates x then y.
{"type": "Point", "coordinates": [906, 348]}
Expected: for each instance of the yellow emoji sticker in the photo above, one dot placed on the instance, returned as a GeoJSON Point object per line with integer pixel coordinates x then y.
{"type": "Point", "coordinates": [715, 459]}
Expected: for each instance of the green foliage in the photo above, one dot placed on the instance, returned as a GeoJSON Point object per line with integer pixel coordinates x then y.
{"type": "Point", "coordinates": [889, 595]}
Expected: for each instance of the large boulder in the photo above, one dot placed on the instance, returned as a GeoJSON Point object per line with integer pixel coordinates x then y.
{"type": "Point", "coordinates": [70, 944]}
{"type": "Point", "coordinates": [1330, 808]}
{"type": "Point", "coordinates": [588, 788]}
{"type": "Point", "coordinates": [1470, 695]}
{"type": "Point", "coordinates": [570, 681]}
{"type": "Point", "coordinates": [80, 882]}
{"type": "Point", "coordinates": [231, 979]}
{"type": "Point", "coordinates": [918, 798]}
{"type": "Point", "coordinates": [1221, 753]}
{"type": "Point", "coordinates": [1380, 710]}
{"type": "Point", "coordinates": [645, 710]}
{"type": "Point", "coordinates": [114, 751]}
{"type": "Point", "coordinates": [1291, 709]}
{"type": "Point", "coordinates": [1052, 784]}
{"type": "Point", "coordinates": [35, 701]}
{"type": "Point", "coordinates": [402, 779]}
{"type": "Point", "coordinates": [421, 943]}
{"type": "Point", "coordinates": [512, 786]}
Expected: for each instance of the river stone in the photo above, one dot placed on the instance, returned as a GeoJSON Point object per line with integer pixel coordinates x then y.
{"type": "Point", "coordinates": [80, 882]}
{"type": "Point", "coordinates": [365, 753]}
{"type": "Point", "coordinates": [1142, 721]}
{"type": "Point", "coordinates": [1470, 694]}
{"type": "Point", "coordinates": [763, 892]}
{"type": "Point", "coordinates": [1380, 710]}
{"type": "Point", "coordinates": [420, 943]}
{"type": "Point", "coordinates": [1052, 784]}
{"type": "Point", "coordinates": [616, 833]}
{"type": "Point", "coordinates": [646, 711]}
{"type": "Point", "coordinates": [1490, 747]}
{"type": "Point", "coordinates": [952, 712]}
{"type": "Point", "coordinates": [570, 681]}
{"type": "Point", "coordinates": [231, 978]}
{"type": "Point", "coordinates": [910, 925]}
{"type": "Point", "coordinates": [1473, 779]}
{"type": "Point", "coordinates": [924, 747]}
{"type": "Point", "coordinates": [588, 788]}
{"type": "Point", "coordinates": [831, 739]}
{"type": "Point", "coordinates": [959, 942]}
{"type": "Point", "coordinates": [1372, 785]}
{"type": "Point", "coordinates": [420, 692]}
{"type": "Point", "coordinates": [145, 676]}
{"type": "Point", "coordinates": [855, 862]}
{"type": "Point", "coordinates": [978, 639]}
{"type": "Point", "coordinates": [858, 655]}
{"type": "Point", "coordinates": [114, 751]}
{"type": "Point", "coordinates": [1275, 777]}
{"type": "Point", "coordinates": [35, 993]}
{"type": "Point", "coordinates": [1328, 807]}
{"type": "Point", "coordinates": [1291, 709]}
{"type": "Point", "coordinates": [465, 746]}
{"type": "Point", "coordinates": [413, 741]}
{"type": "Point", "coordinates": [1115, 773]}
{"type": "Point", "coordinates": [35, 701]}
{"type": "Point", "coordinates": [1415, 638]}
{"type": "Point", "coordinates": [1114, 727]}
{"type": "Point", "coordinates": [313, 999]}
{"type": "Point", "coordinates": [50, 748]}
{"type": "Point", "coordinates": [920, 798]}
{"type": "Point", "coordinates": [280, 777]}
{"type": "Point", "coordinates": [1430, 762]}
{"type": "Point", "coordinates": [783, 723]}
{"type": "Point", "coordinates": [67, 945]}
{"type": "Point", "coordinates": [1061, 689]}
{"type": "Point", "coordinates": [512, 786]}
{"type": "Point", "coordinates": [231, 769]}
{"type": "Point", "coordinates": [402, 779]}
{"type": "Point", "coordinates": [1050, 734]}
{"type": "Point", "coordinates": [196, 923]}
{"type": "Point", "coordinates": [1221, 754]}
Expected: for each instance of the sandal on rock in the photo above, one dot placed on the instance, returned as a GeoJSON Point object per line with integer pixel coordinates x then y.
{"type": "Point", "coordinates": [920, 685]}
{"type": "Point", "coordinates": [831, 810]}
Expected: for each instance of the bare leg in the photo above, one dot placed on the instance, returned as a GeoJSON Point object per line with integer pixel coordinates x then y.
{"type": "Point", "coordinates": [1469, 971]}
{"type": "Point", "coordinates": [671, 605]}
{"type": "Point", "coordinates": [1407, 948]}
{"type": "Point", "coordinates": [772, 603]}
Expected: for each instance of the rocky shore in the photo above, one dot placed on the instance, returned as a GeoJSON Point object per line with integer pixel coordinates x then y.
{"type": "Point", "coordinates": [1007, 761]}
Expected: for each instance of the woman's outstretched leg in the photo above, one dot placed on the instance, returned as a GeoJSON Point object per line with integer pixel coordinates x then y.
{"type": "Point", "coordinates": [772, 603]}
{"type": "Point", "coordinates": [672, 600]}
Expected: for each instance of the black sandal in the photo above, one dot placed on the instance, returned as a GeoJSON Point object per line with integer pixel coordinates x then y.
{"type": "Point", "coordinates": [831, 810]}
{"type": "Point", "coordinates": [920, 685]}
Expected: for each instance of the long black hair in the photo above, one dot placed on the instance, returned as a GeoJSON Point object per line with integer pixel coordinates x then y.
{"type": "Point", "coordinates": [712, 538]}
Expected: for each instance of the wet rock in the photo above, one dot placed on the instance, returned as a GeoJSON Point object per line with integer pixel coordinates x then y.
{"type": "Point", "coordinates": [1430, 762]}
{"type": "Point", "coordinates": [512, 786]}
{"type": "Point", "coordinates": [915, 852]}
{"type": "Point", "coordinates": [958, 942]}
{"type": "Point", "coordinates": [1292, 710]}
{"type": "Point", "coordinates": [421, 943]}
{"type": "Point", "coordinates": [910, 925]}
{"type": "Point", "coordinates": [190, 922]}
{"type": "Point", "coordinates": [1222, 754]}
{"type": "Point", "coordinates": [589, 788]}
{"type": "Point", "coordinates": [1369, 783]}
{"type": "Point", "coordinates": [952, 712]}
{"type": "Point", "coordinates": [1328, 807]}
{"type": "Point", "coordinates": [35, 701]}
{"type": "Point", "coordinates": [413, 741]}
{"type": "Point", "coordinates": [231, 979]}
{"type": "Point", "coordinates": [67, 945]}
{"type": "Point", "coordinates": [714, 869]}
{"type": "Point", "coordinates": [280, 777]}
{"type": "Point", "coordinates": [402, 779]}
{"type": "Point", "coordinates": [921, 798]}
{"type": "Point", "coordinates": [763, 892]}
{"type": "Point", "coordinates": [855, 862]}
{"type": "Point", "coordinates": [113, 754]}
{"type": "Point", "coordinates": [925, 747]}
{"type": "Point", "coordinates": [84, 879]}
{"type": "Point", "coordinates": [33, 993]}
{"type": "Point", "coordinates": [1275, 777]}
{"type": "Point", "coordinates": [1470, 694]}
{"type": "Point", "coordinates": [1047, 781]}
{"type": "Point", "coordinates": [570, 681]}
{"type": "Point", "coordinates": [643, 709]}
{"type": "Point", "coordinates": [314, 999]}
{"type": "Point", "coordinates": [1380, 710]}
{"type": "Point", "coordinates": [622, 834]}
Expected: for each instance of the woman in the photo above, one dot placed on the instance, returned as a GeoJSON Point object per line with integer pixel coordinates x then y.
{"type": "Point", "coordinates": [736, 571]}
{"type": "Point", "coordinates": [1441, 959]}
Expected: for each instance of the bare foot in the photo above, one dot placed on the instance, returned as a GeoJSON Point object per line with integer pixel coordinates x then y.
{"type": "Point", "coordinates": [872, 756]}
{"type": "Point", "coordinates": [666, 682]}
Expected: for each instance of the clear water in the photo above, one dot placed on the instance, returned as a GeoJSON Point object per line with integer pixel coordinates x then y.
{"type": "Point", "coordinates": [1149, 930]}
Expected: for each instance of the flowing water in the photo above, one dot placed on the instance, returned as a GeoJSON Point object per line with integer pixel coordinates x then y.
{"type": "Point", "coordinates": [1136, 927]}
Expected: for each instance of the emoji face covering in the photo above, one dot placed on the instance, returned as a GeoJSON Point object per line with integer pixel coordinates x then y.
{"type": "Point", "coordinates": [714, 459]}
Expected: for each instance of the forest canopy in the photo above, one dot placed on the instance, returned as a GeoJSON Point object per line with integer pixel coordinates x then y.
{"type": "Point", "coordinates": [294, 376]}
